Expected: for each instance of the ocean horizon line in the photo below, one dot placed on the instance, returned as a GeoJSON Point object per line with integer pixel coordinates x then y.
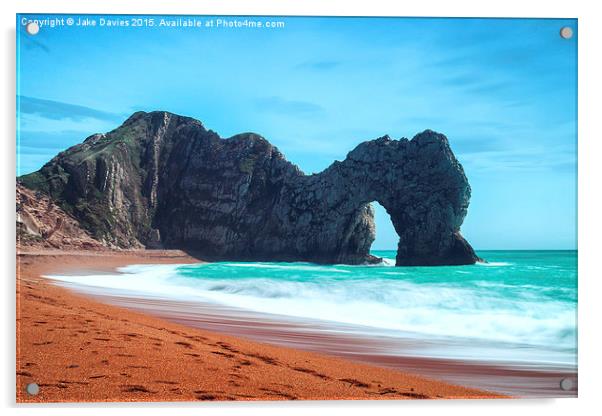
{"type": "Point", "coordinates": [497, 249]}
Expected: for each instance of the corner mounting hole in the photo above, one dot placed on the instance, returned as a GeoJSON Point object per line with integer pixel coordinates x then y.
{"type": "Point", "coordinates": [33, 28]}
{"type": "Point", "coordinates": [32, 389]}
{"type": "Point", "coordinates": [566, 32]}
{"type": "Point", "coordinates": [566, 384]}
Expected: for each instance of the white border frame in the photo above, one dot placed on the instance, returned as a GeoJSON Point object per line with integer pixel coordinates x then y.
{"type": "Point", "coordinates": [590, 207]}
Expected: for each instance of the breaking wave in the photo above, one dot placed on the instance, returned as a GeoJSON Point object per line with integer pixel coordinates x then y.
{"type": "Point", "coordinates": [511, 303]}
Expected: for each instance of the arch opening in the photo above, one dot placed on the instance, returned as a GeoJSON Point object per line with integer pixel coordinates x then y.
{"type": "Point", "coordinates": [386, 240]}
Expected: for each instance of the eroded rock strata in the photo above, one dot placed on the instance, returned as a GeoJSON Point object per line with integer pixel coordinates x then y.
{"type": "Point", "coordinates": [163, 180]}
{"type": "Point", "coordinates": [41, 224]}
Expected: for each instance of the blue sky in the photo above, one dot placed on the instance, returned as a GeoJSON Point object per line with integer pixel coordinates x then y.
{"type": "Point", "coordinates": [502, 90]}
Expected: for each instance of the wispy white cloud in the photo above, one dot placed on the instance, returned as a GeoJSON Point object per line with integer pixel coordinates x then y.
{"type": "Point", "coordinates": [58, 110]}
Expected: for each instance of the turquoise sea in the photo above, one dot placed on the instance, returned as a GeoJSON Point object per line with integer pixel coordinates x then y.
{"type": "Point", "coordinates": [519, 306]}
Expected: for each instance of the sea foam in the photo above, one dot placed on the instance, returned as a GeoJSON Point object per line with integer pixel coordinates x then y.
{"type": "Point", "coordinates": [482, 305]}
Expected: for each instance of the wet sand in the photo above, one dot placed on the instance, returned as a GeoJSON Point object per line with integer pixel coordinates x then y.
{"type": "Point", "coordinates": [517, 379]}
{"type": "Point", "coordinates": [79, 349]}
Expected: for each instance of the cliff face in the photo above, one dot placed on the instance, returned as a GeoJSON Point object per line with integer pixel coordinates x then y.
{"type": "Point", "coordinates": [42, 224]}
{"type": "Point", "coordinates": [162, 180]}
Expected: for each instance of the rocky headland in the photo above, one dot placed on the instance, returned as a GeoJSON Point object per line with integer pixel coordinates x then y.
{"type": "Point", "coordinates": [162, 180]}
